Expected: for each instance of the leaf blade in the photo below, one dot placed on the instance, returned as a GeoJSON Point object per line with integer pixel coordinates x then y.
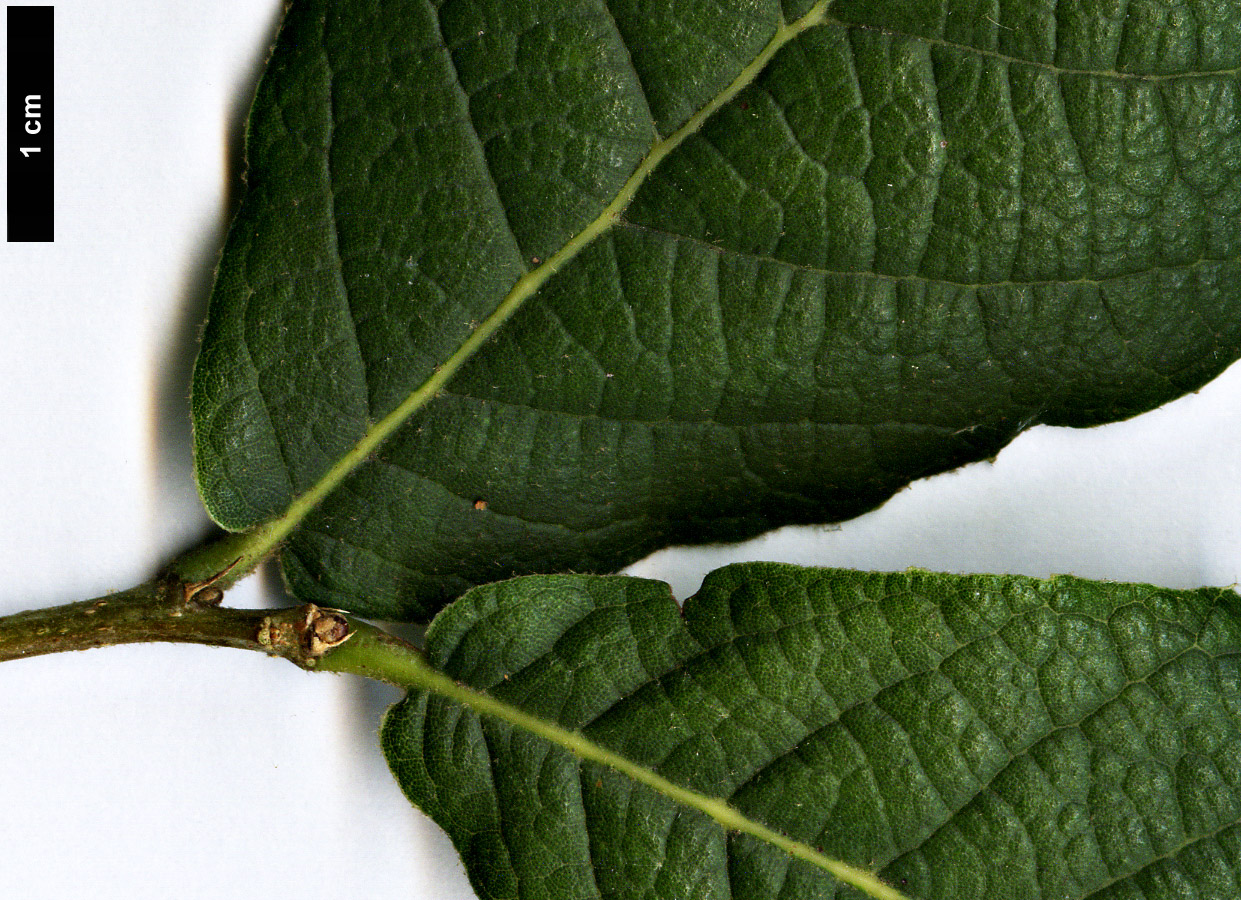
{"type": "Point", "coordinates": [884, 257]}
{"type": "Point", "coordinates": [957, 768]}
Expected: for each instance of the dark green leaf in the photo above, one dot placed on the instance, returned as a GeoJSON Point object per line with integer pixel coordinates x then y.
{"type": "Point", "coordinates": [972, 738]}
{"type": "Point", "coordinates": [462, 330]}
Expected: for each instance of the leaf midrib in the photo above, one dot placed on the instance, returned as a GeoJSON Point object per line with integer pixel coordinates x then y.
{"type": "Point", "coordinates": [405, 667]}
{"type": "Point", "coordinates": [244, 551]}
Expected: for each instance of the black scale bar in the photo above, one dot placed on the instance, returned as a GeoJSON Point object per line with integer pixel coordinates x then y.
{"type": "Point", "coordinates": [30, 116]}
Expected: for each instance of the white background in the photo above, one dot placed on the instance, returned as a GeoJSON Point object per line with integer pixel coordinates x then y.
{"type": "Point", "coordinates": [158, 771]}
